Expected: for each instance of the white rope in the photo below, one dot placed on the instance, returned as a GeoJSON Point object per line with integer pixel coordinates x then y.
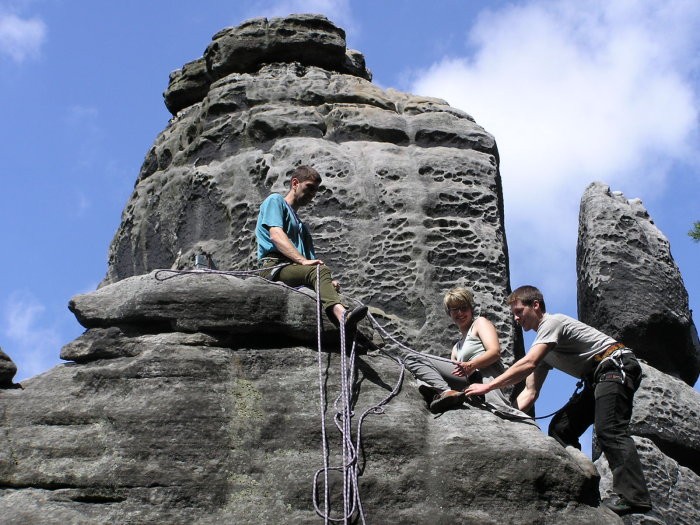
{"type": "Point", "coordinates": [352, 503]}
{"type": "Point", "coordinates": [342, 420]}
{"type": "Point", "coordinates": [322, 397]}
{"type": "Point", "coordinates": [398, 343]}
{"type": "Point", "coordinates": [350, 469]}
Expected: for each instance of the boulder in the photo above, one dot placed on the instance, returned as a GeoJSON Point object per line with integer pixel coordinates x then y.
{"type": "Point", "coordinates": [8, 369]}
{"type": "Point", "coordinates": [630, 287]}
{"type": "Point", "coordinates": [305, 40]}
{"type": "Point", "coordinates": [188, 85]}
{"type": "Point", "coordinates": [155, 423]}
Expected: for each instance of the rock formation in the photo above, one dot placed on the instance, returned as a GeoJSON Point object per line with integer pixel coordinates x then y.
{"type": "Point", "coordinates": [630, 287]}
{"type": "Point", "coordinates": [194, 397]}
{"type": "Point", "coordinates": [7, 370]}
{"type": "Point", "coordinates": [184, 409]}
{"type": "Point", "coordinates": [203, 397]}
{"type": "Point", "coordinates": [411, 201]}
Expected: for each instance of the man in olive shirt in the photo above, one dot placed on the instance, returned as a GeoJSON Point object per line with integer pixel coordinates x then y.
{"type": "Point", "coordinates": [611, 375]}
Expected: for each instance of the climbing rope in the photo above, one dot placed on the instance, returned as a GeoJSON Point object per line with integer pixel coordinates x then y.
{"type": "Point", "coordinates": [475, 402]}
{"type": "Point", "coordinates": [343, 405]}
{"type": "Point", "coordinates": [200, 271]}
{"type": "Point", "coordinates": [350, 468]}
{"type": "Point", "coordinates": [485, 405]}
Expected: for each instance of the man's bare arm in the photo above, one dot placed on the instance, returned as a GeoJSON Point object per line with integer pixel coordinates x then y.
{"type": "Point", "coordinates": [516, 373]}
{"type": "Point", "coordinates": [533, 384]}
{"type": "Point", "coordinates": [286, 248]}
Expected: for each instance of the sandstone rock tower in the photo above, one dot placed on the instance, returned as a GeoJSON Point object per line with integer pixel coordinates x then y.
{"type": "Point", "coordinates": [629, 287]}
{"type": "Point", "coordinates": [194, 398]}
{"type": "Point", "coordinates": [411, 202]}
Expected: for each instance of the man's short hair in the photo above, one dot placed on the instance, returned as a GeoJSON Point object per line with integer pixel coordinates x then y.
{"type": "Point", "coordinates": [304, 173]}
{"type": "Point", "coordinates": [527, 295]}
{"type": "Point", "coordinates": [459, 296]}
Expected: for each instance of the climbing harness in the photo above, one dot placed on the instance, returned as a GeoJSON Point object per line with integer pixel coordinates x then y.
{"type": "Point", "coordinates": [615, 357]}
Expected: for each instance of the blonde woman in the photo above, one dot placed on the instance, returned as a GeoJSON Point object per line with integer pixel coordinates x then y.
{"type": "Point", "coordinates": [478, 349]}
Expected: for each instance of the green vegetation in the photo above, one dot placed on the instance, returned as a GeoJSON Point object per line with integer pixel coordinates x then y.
{"type": "Point", "coordinates": [695, 232]}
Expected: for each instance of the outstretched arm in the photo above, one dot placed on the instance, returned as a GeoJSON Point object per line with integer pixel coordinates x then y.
{"type": "Point", "coordinates": [533, 384]}
{"type": "Point", "coordinates": [516, 373]}
{"type": "Point", "coordinates": [286, 248]}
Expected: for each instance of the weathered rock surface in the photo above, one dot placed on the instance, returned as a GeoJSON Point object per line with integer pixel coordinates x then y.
{"type": "Point", "coordinates": [674, 488]}
{"type": "Point", "coordinates": [200, 302]}
{"type": "Point", "coordinates": [8, 369]}
{"type": "Point", "coordinates": [202, 427]}
{"type": "Point", "coordinates": [308, 39]}
{"type": "Point", "coordinates": [411, 201]}
{"type": "Point", "coordinates": [667, 411]}
{"type": "Point", "coordinates": [630, 287]}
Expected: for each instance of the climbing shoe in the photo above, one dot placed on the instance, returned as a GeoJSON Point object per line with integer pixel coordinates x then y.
{"type": "Point", "coordinates": [446, 400]}
{"type": "Point", "coordinates": [621, 506]}
{"type": "Point", "coordinates": [354, 317]}
{"type": "Point", "coordinates": [428, 392]}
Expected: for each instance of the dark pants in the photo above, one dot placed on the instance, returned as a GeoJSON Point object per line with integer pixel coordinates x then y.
{"type": "Point", "coordinates": [606, 401]}
{"type": "Point", "coordinates": [299, 275]}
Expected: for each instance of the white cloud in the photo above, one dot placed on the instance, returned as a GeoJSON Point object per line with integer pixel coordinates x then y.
{"type": "Point", "coordinates": [575, 93]}
{"type": "Point", "coordinates": [30, 343]}
{"type": "Point", "coordinates": [21, 38]}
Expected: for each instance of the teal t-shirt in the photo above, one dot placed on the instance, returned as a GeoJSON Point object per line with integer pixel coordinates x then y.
{"type": "Point", "coordinates": [274, 211]}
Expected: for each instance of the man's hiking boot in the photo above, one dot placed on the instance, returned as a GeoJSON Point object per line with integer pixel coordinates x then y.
{"type": "Point", "coordinates": [354, 317]}
{"type": "Point", "coordinates": [446, 400]}
{"type": "Point", "coordinates": [622, 507]}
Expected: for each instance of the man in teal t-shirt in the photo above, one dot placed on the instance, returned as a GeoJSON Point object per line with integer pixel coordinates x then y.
{"type": "Point", "coordinates": [284, 239]}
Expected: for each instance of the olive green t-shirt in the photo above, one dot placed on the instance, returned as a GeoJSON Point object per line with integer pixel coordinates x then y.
{"type": "Point", "coordinates": [576, 344]}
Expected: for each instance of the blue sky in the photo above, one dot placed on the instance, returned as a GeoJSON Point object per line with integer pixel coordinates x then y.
{"type": "Point", "coordinates": [607, 92]}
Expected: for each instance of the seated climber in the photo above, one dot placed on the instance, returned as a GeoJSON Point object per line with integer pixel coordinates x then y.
{"type": "Point", "coordinates": [284, 240]}
{"type": "Point", "coordinates": [478, 349]}
{"type": "Point", "coordinates": [611, 375]}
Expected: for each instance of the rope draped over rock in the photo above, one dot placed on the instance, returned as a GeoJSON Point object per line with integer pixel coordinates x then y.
{"type": "Point", "coordinates": [352, 502]}
{"type": "Point", "coordinates": [343, 404]}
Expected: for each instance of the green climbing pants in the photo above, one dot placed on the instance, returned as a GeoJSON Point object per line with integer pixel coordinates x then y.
{"type": "Point", "coordinates": [299, 275]}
